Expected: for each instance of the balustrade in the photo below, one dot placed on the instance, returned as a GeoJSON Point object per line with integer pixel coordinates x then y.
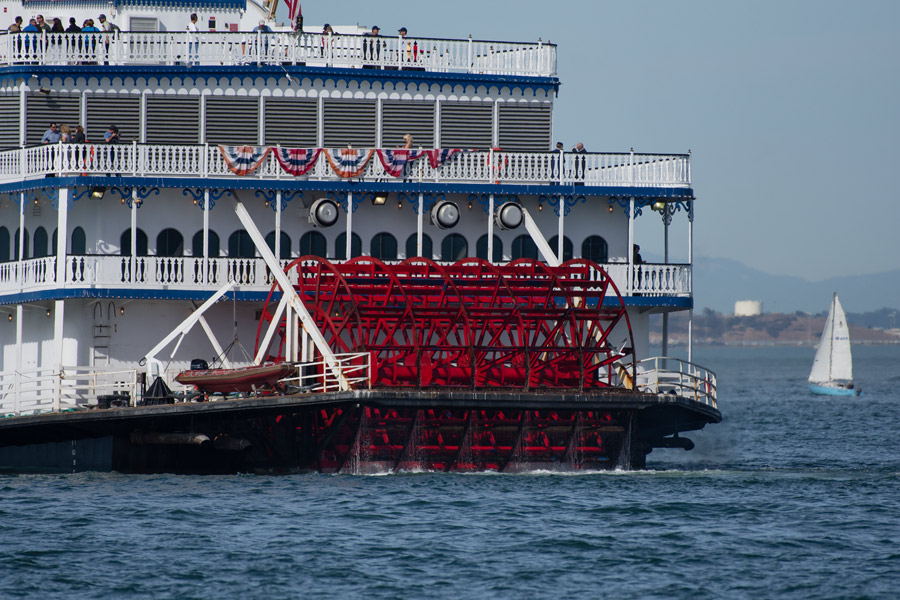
{"type": "Point", "coordinates": [227, 48]}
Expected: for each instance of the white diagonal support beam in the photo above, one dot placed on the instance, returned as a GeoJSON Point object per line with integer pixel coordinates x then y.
{"type": "Point", "coordinates": [288, 290]}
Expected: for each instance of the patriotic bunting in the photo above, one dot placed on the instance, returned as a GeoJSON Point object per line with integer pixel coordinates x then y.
{"type": "Point", "coordinates": [297, 161]}
{"type": "Point", "coordinates": [395, 161]}
{"type": "Point", "coordinates": [242, 160]}
{"type": "Point", "coordinates": [348, 162]}
{"type": "Point", "coordinates": [439, 156]}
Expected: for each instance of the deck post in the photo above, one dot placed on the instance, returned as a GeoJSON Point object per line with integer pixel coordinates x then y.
{"type": "Point", "coordinates": [278, 225]}
{"type": "Point", "coordinates": [132, 267]}
{"type": "Point", "coordinates": [419, 225]}
{"type": "Point", "coordinates": [560, 229]}
{"type": "Point", "coordinates": [629, 287]}
{"type": "Point", "coordinates": [62, 235]}
{"type": "Point", "coordinates": [349, 240]}
{"type": "Point", "coordinates": [490, 240]}
{"type": "Point", "coordinates": [205, 277]}
{"type": "Point", "coordinates": [17, 392]}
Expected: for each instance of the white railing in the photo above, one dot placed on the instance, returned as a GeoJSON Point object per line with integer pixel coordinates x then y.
{"type": "Point", "coordinates": [49, 390]}
{"type": "Point", "coordinates": [661, 279]}
{"type": "Point", "coordinates": [594, 169]}
{"type": "Point", "coordinates": [317, 377]}
{"type": "Point", "coordinates": [664, 375]}
{"type": "Point", "coordinates": [352, 51]}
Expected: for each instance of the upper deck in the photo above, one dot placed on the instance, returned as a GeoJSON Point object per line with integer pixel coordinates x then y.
{"type": "Point", "coordinates": [149, 49]}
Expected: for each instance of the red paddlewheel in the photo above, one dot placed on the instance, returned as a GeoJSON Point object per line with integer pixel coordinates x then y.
{"type": "Point", "coordinates": [471, 324]}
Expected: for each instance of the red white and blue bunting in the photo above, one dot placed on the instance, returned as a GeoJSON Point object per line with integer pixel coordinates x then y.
{"type": "Point", "coordinates": [348, 162]}
{"type": "Point", "coordinates": [395, 161]}
{"type": "Point", "coordinates": [242, 160]}
{"type": "Point", "coordinates": [297, 161]}
{"type": "Point", "coordinates": [439, 156]}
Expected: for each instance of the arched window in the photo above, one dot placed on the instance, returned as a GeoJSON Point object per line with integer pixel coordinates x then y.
{"type": "Point", "coordinates": [313, 243]}
{"type": "Point", "coordinates": [197, 244]}
{"type": "Point", "coordinates": [170, 242]}
{"type": "Point", "coordinates": [594, 248]}
{"type": "Point", "coordinates": [40, 242]}
{"type": "Point", "coordinates": [53, 243]}
{"type": "Point", "coordinates": [79, 241]}
{"type": "Point", "coordinates": [4, 244]}
{"type": "Point", "coordinates": [240, 245]}
{"type": "Point", "coordinates": [412, 243]}
{"type": "Point", "coordinates": [125, 243]}
{"type": "Point", "coordinates": [481, 248]}
{"type": "Point", "coordinates": [567, 247]}
{"type": "Point", "coordinates": [524, 247]}
{"type": "Point", "coordinates": [285, 244]}
{"type": "Point", "coordinates": [454, 247]}
{"type": "Point", "coordinates": [384, 247]}
{"type": "Point", "coordinates": [16, 245]}
{"type": "Point", "coordinates": [340, 247]}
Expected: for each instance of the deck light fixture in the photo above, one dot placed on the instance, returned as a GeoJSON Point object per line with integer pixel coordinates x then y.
{"type": "Point", "coordinates": [659, 206]}
{"type": "Point", "coordinates": [9, 317]}
{"type": "Point", "coordinates": [509, 215]}
{"type": "Point", "coordinates": [323, 213]}
{"type": "Point", "coordinates": [610, 207]}
{"type": "Point", "coordinates": [48, 313]}
{"type": "Point", "coordinates": [445, 214]}
{"type": "Point", "coordinates": [379, 199]}
{"type": "Point", "coordinates": [98, 192]}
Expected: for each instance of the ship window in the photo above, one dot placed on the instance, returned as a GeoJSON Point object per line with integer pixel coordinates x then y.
{"type": "Point", "coordinates": [454, 247]}
{"type": "Point", "coordinates": [524, 247]}
{"type": "Point", "coordinates": [481, 248]}
{"type": "Point", "coordinates": [285, 244]}
{"type": "Point", "coordinates": [384, 247]}
{"type": "Point", "coordinates": [312, 243]}
{"type": "Point", "coordinates": [79, 241]}
{"type": "Point", "coordinates": [197, 244]}
{"type": "Point", "coordinates": [4, 244]}
{"type": "Point", "coordinates": [170, 242]}
{"type": "Point", "coordinates": [16, 245]}
{"type": "Point", "coordinates": [567, 247]}
{"type": "Point", "coordinates": [125, 243]}
{"type": "Point", "coordinates": [40, 242]}
{"type": "Point", "coordinates": [240, 245]}
{"type": "Point", "coordinates": [340, 246]}
{"type": "Point", "coordinates": [412, 244]}
{"type": "Point", "coordinates": [594, 248]}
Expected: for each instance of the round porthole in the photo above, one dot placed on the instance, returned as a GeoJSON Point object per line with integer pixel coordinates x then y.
{"type": "Point", "coordinates": [445, 214]}
{"type": "Point", "coordinates": [509, 216]}
{"type": "Point", "coordinates": [323, 213]}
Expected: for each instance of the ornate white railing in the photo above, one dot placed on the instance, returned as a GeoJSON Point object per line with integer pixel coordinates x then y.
{"type": "Point", "coordinates": [353, 51]}
{"type": "Point", "coordinates": [250, 274]}
{"type": "Point", "coordinates": [50, 390]}
{"type": "Point", "coordinates": [664, 375]}
{"type": "Point", "coordinates": [595, 169]}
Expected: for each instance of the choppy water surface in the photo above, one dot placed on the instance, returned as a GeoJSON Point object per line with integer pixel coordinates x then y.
{"type": "Point", "coordinates": [791, 496]}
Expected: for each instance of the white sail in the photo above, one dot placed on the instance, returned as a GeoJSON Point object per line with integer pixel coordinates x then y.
{"type": "Point", "coordinates": [833, 360]}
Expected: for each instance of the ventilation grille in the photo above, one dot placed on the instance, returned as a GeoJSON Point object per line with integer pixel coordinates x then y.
{"type": "Point", "coordinates": [173, 120]}
{"type": "Point", "coordinates": [400, 118]}
{"type": "Point", "coordinates": [124, 112]}
{"type": "Point", "coordinates": [349, 123]}
{"type": "Point", "coordinates": [143, 24]}
{"type": "Point", "coordinates": [41, 110]}
{"type": "Point", "coordinates": [291, 123]}
{"type": "Point", "coordinates": [232, 121]}
{"type": "Point", "coordinates": [466, 126]}
{"type": "Point", "coordinates": [525, 128]}
{"type": "Point", "coordinates": [9, 121]}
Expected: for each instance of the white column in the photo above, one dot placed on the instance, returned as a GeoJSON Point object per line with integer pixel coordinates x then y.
{"type": "Point", "coordinates": [23, 93]}
{"type": "Point", "coordinates": [20, 312]}
{"type": "Point", "coordinates": [560, 230]}
{"type": "Point", "coordinates": [490, 248]}
{"type": "Point", "coordinates": [62, 237]}
{"type": "Point", "coordinates": [349, 224]}
{"type": "Point", "coordinates": [420, 224]}
{"type": "Point", "coordinates": [58, 316]}
{"type": "Point", "coordinates": [691, 267]}
{"type": "Point", "coordinates": [665, 317]}
{"type": "Point", "coordinates": [133, 235]}
{"type": "Point", "coordinates": [205, 277]}
{"type": "Point", "coordinates": [630, 284]}
{"type": "Point", "coordinates": [278, 225]}
{"type": "Point", "coordinates": [21, 255]}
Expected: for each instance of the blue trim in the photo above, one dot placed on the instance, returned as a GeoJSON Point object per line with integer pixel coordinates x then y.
{"type": "Point", "coordinates": [201, 295]}
{"type": "Point", "coordinates": [550, 84]}
{"type": "Point", "coordinates": [344, 186]}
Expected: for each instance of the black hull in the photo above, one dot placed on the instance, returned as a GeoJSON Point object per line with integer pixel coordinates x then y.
{"type": "Point", "coordinates": [359, 433]}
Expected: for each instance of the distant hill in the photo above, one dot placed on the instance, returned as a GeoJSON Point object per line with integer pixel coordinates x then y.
{"type": "Point", "coordinates": [719, 282]}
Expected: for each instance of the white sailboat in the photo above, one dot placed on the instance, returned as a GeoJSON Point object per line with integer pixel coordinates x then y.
{"type": "Point", "coordinates": [832, 371]}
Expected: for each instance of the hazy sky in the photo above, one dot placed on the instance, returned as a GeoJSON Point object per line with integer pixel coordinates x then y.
{"type": "Point", "coordinates": [791, 110]}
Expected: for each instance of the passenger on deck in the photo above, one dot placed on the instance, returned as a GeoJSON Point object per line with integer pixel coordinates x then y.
{"type": "Point", "coordinates": [372, 48]}
{"type": "Point", "coordinates": [51, 136]}
{"type": "Point", "coordinates": [73, 26]}
{"type": "Point", "coordinates": [579, 163]}
{"type": "Point", "coordinates": [408, 140]}
{"type": "Point", "coordinates": [636, 255]}
{"type": "Point", "coordinates": [16, 27]}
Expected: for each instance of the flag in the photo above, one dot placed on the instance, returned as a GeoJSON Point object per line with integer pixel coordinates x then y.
{"type": "Point", "coordinates": [297, 161]}
{"type": "Point", "coordinates": [293, 9]}
{"type": "Point", "coordinates": [348, 162]}
{"type": "Point", "coordinates": [439, 156]}
{"type": "Point", "coordinates": [242, 160]}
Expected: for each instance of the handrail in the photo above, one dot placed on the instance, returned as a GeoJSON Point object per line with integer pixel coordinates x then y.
{"type": "Point", "coordinates": [465, 166]}
{"type": "Point", "coordinates": [256, 48]}
{"type": "Point", "coordinates": [657, 375]}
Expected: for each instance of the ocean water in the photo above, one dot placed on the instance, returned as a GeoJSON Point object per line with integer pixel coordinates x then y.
{"type": "Point", "coordinates": [791, 496]}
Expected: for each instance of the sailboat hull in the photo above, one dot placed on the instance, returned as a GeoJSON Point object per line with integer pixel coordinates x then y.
{"type": "Point", "coordinates": [825, 390]}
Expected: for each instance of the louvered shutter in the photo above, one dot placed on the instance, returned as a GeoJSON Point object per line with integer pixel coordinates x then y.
{"type": "Point", "coordinates": [349, 122]}
{"type": "Point", "coordinates": [400, 118]}
{"type": "Point", "coordinates": [466, 126]}
{"type": "Point", "coordinates": [9, 121]}
{"type": "Point", "coordinates": [172, 120]}
{"type": "Point", "coordinates": [122, 111]}
{"type": "Point", "coordinates": [41, 110]}
{"type": "Point", "coordinates": [143, 24]}
{"type": "Point", "coordinates": [291, 122]}
{"type": "Point", "coordinates": [232, 121]}
{"type": "Point", "coordinates": [525, 127]}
